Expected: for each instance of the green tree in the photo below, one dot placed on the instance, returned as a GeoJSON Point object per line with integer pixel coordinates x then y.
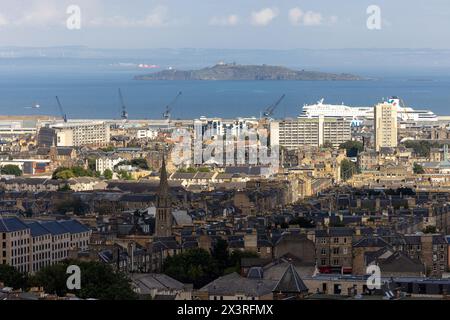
{"type": "Point", "coordinates": [302, 222]}
{"type": "Point", "coordinates": [421, 147]}
{"type": "Point", "coordinates": [92, 163]}
{"type": "Point", "coordinates": [11, 169]}
{"type": "Point", "coordinates": [352, 148]}
{"type": "Point", "coordinates": [140, 163]}
{"type": "Point", "coordinates": [108, 174]}
{"type": "Point", "coordinates": [64, 175]}
{"type": "Point", "coordinates": [220, 254]}
{"type": "Point", "coordinates": [418, 169]}
{"type": "Point", "coordinates": [430, 229]}
{"type": "Point", "coordinates": [66, 187]}
{"type": "Point", "coordinates": [194, 266]}
{"type": "Point", "coordinates": [348, 169]}
{"type": "Point", "coordinates": [98, 281]}
{"type": "Point", "coordinates": [11, 277]}
{"type": "Point", "coordinates": [75, 205]}
{"type": "Point", "coordinates": [328, 145]}
{"type": "Point", "coordinates": [124, 175]}
{"type": "Point", "coordinates": [236, 258]}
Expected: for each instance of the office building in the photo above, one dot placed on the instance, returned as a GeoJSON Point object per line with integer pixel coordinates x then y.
{"type": "Point", "coordinates": [82, 134]}
{"type": "Point", "coordinates": [301, 132]}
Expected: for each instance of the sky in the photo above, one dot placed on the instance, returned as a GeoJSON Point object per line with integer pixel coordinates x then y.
{"type": "Point", "coordinates": [231, 24]}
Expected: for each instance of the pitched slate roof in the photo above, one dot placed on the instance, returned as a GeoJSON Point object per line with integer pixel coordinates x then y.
{"type": "Point", "coordinates": [11, 225]}
{"type": "Point", "coordinates": [371, 242]}
{"type": "Point", "coordinates": [74, 226]}
{"type": "Point", "coordinates": [37, 229]}
{"type": "Point", "coordinates": [54, 227]}
{"type": "Point", "coordinates": [290, 282]}
{"type": "Point", "coordinates": [233, 283]}
{"type": "Point", "coordinates": [148, 282]}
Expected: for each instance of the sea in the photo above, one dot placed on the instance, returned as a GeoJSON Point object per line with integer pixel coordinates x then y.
{"type": "Point", "coordinates": [88, 89]}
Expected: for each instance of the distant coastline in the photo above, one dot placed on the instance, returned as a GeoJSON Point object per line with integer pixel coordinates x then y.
{"type": "Point", "coordinates": [236, 72]}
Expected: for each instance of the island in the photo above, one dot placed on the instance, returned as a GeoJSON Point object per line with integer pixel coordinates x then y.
{"type": "Point", "coordinates": [223, 71]}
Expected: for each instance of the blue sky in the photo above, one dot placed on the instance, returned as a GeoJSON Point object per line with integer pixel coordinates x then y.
{"type": "Point", "coordinates": [234, 24]}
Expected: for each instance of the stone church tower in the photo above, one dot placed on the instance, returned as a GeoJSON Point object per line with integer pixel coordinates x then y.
{"type": "Point", "coordinates": [164, 218]}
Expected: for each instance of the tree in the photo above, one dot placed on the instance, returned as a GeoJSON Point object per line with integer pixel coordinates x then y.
{"type": "Point", "coordinates": [429, 229]}
{"type": "Point", "coordinates": [192, 266]}
{"type": "Point", "coordinates": [348, 169]}
{"type": "Point", "coordinates": [75, 205]}
{"type": "Point", "coordinates": [220, 254]}
{"type": "Point", "coordinates": [64, 175]}
{"type": "Point", "coordinates": [421, 148]}
{"type": "Point", "coordinates": [236, 258]}
{"type": "Point", "coordinates": [92, 163]}
{"type": "Point", "coordinates": [11, 277]}
{"type": "Point", "coordinates": [140, 163]}
{"type": "Point", "coordinates": [108, 174]}
{"type": "Point", "coordinates": [302, 222]}
{"type": "Point", "coordinates": [328, 145]}
{"type": "Point", "coordinates": [66, 187]}
{"type": "Point", "coordinates": [11, 169]}
{"type": "Point", "coordinates": [353, 148]}
{"type": "Point", "coordinates": [418, 169]}
{"type": "Point", "coordinates": [98, 281]}
{"type": "Point", "coordinates": [125, 175]}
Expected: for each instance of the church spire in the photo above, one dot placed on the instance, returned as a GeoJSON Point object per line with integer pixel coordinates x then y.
{"type": "Point", "coordinates": [164, 219]}
{"type": "Point", "coordinates": [163, 183]}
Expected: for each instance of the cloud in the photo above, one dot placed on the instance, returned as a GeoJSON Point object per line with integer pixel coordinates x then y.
{"type": "Point", "coordinates": [312, 18]}
{"type": "Point", "coordinates": [309, 18]}
{"type": "Point", "coordinates": [295, 16]}
{"type": "Point", "coordinates": [334, 19]}
{"type": "Point", "coordinates": [3, 20]}
{"type": "Point", "coordinates": [41, 15]}
{"type": "Point", "coordinates": [230, 20]}
{"type": "Point", "coordinates": [264, 16]}
{"type": "Point", "coordinates": [157, 17]}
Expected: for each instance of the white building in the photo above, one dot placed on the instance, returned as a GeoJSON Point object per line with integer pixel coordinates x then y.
{"type": "Point", "coordinates": [103, 163]}
{"type": "Point", "coordinates": [95, 133]}
{"type": "Point", "coordinates": [146, 133]}
{"type": "Point", "coordinates": [385, 122]}
{"type": "Point", "coordinates": [300, 132]}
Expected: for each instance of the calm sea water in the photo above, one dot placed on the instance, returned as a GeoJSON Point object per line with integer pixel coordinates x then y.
{"type": "Point", "coordinates": [90, 91]}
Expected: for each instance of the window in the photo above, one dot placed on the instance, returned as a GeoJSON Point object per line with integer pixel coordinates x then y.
{"type": "Point", "coordinates": [336, 240]}
{"type": "Point", "coordinates": [323, 251]}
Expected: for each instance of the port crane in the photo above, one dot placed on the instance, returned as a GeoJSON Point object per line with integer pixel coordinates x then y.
{"type": "Point", "coordinates": [271, 109]}
{"type": "Point", "coordinates": [64, 116]}
{"type": "Point", "coordinates": [124, 114]}
{"type": "Point", "coordinates": [167, 113]}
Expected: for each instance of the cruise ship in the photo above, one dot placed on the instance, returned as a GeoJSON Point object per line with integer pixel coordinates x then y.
{"type": "Point", "coordinates": [359, 114]}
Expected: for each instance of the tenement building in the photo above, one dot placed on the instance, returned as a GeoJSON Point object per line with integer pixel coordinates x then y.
{"type": "Point", "coordinates": [30, 246]}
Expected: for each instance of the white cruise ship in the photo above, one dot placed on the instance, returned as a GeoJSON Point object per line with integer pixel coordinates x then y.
{"type": "Point", "coordinates": [359, 114]}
